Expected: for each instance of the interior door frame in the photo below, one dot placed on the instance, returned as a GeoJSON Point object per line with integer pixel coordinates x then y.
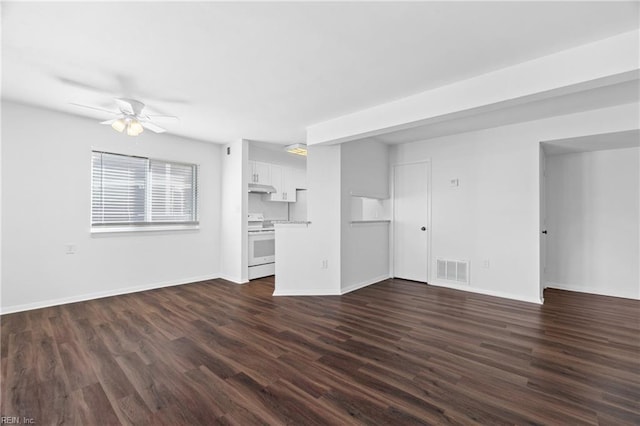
{"type": "Point", "coordinates": [392, 236]}
{"type": "Point", "coordinates": [543, 241]}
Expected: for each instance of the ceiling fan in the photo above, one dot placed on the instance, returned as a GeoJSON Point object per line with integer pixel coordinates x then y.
{"type": "Point", "coordinates": [130, 117]}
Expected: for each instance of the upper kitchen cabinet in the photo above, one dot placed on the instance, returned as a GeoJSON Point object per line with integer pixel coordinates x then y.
{"type": "Point", "coordinates": [283, 180]}
{"type": "Point", "coordinates": [260, 173]}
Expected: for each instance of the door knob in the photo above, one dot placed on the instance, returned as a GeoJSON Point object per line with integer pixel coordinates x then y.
{"type": "Point", "coordinates": [544, 232]}
{"type": "Point", "coordinates": [424, 228]}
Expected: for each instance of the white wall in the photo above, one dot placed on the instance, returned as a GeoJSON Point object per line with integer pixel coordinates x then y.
{"type": "Point", "coordinates": [46, 182]}
{"type": "Point", "coordinates": [364, 247]}
{"type": "Point", "coordinates": [298, 210]}
{"type": "Point", "coordinates": [494, 214]}
{"type": "Point", "coordinates": [302, 250]}
{"type": "Point", "coordinates": [323, 211]}
{"type": "Point", "coordinates": [593, 216]}
{"type": "Point", "coordinates": [1, 174]}
{"type": "Point", "coordinates": [234, 239]}
{"type": "Point", "coordinates": [355, 255]}
{"type": "Point", "coordinates": [272, 210]}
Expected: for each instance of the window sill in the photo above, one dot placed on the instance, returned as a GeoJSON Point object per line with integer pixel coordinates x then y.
{"type": "Point", "coordinates": [158, 228]}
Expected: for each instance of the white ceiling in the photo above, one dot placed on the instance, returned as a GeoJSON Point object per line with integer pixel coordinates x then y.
{"type": "Point", "coordinates": [602, 142]}
{"type": "Point", "coordinates": [265, 71]}
{"type": "Point", "coordinates": [485, 118]}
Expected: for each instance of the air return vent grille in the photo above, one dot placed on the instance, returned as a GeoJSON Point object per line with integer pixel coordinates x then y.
{"type": "Point", "coordinates": [453, 270]}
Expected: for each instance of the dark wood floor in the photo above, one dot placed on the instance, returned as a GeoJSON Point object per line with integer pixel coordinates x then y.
{"type": "Point", "coordinates": [397, 353]}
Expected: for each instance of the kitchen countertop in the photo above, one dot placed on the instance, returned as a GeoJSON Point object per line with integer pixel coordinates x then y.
{"type": "Point", "coordinates": [291, 222]}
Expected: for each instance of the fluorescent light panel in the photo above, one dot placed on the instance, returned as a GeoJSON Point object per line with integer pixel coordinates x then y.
{"type": "Point", "coordinates": [297, 148]}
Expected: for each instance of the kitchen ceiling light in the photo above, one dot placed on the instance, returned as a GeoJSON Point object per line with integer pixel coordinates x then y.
{"type": "Point", "coordinates": [297, 148]}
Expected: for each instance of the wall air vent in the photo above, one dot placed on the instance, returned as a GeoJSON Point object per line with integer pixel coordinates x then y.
{"type": "Point", "coordinates": [453, 270]}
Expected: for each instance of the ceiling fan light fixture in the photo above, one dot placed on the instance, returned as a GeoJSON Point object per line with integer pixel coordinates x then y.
{"type": "Point", "coordinates": [297, 148]}
{"type": "Point", "coordinates": [130, 117]}
{"type": "Point", "coordinates": [119, 125]}
{"type": "Point", "coordinates": [134, 128]}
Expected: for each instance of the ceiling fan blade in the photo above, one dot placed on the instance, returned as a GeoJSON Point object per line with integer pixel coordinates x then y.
{"type": "Point", "coordinates": [152, 127]}
{"type": "Point", "coordinates": [82, 85]}
{"type": "Point", "coordinates": [163, 117]}
{"type": "Point", "coordinates": [130, 106]}
{"type": "Point", "coordinates": [97, 109]}
{"type": "Point", "coordinates": [125, 106]}
{"type": "Point", "coordinates": [109, 122]}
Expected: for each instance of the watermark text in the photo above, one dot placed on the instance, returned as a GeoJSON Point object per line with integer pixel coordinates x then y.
{"type": "Point", "coordinates": [16, 420]}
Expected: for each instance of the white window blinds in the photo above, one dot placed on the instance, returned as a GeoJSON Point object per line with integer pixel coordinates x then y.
{"type": "Point", "coordinates": [173, 192]}
{"type": "Point", "coordinates": [138, 191]}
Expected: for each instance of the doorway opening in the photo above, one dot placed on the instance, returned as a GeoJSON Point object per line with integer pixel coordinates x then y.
{"type": "Point", "coordinates": [590, 214]}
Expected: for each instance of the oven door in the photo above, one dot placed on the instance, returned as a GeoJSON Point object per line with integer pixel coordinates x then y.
{"type": "Point", "coordinates": [262, 248]}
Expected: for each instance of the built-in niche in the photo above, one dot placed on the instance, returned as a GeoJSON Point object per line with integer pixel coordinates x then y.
{"type": "Point", "coordinates": [367, 209]}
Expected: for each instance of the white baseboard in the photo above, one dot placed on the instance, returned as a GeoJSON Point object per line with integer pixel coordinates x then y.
{"type": "Point", "coordinates": [324, 292]}
{"type": "Point", "coordinates": [501, 294]}
{"type": "Point", "coordinates": [235, 280]}
{"type": "Point", "coordinates": [305, 292]}
{"type": "Point", "coordinates": [260, 271]}
{"type": "Point", "coordinates": [589, 290]}
{"type": "Point", "coordinates": [98, 295]}
{"type": "Point", "coordinates": [356, 286]}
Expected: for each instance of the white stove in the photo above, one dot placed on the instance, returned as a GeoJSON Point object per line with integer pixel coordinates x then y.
{"type": "Point", "coordinates": [262, 247]}
{"type": "Point", "coordinates": [262, 231]}
{"type": "Point", "coordinates": [255, 221]}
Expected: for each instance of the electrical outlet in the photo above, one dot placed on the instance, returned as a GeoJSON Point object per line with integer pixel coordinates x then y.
{"type": "Point", "coordinates": [71, 249]}
{"type": "Point", "coordinates": [325, 264]}
{"type": "Point", "coordinates": [486, 264]}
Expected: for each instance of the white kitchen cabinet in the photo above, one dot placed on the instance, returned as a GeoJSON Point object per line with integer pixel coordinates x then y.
{"type": "Point", "coordinates": [289, 184]}
{"type": "Point", "coordinates": [283, 180]}
{"type": "Point", "coordinates": [260, 173]}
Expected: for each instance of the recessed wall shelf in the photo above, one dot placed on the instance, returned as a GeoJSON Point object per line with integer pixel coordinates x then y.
{"type": "Point", "coordinates": [356, 222]}
{"type": "Point", "coordinates": [367, 209]}
{"type": "Point", "coordinates": [363, 194]}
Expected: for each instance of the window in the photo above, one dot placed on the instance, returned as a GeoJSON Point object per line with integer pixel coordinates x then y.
{"type": "Point", "coordinates": [133, 192]}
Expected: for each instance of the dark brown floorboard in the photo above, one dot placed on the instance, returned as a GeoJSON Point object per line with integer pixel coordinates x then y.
{"type": "Point", "coordinates": [397, 352]}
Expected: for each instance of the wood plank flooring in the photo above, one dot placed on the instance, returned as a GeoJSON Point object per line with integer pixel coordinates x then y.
{"type": "Point", "coordinates": [396, 352]}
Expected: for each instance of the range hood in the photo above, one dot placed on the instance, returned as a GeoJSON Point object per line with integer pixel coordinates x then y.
{"type": "Point", "coordinates": [262, 189]}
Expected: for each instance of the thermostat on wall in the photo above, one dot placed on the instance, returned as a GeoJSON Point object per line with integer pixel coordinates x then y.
{"type": "Point", "coordinates": [454, 183]}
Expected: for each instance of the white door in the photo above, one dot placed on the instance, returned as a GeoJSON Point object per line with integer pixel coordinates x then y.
{"type": "Point", "coordinates": [411, 221]}
{"type": "Point", "coordinates": [543, 221]}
